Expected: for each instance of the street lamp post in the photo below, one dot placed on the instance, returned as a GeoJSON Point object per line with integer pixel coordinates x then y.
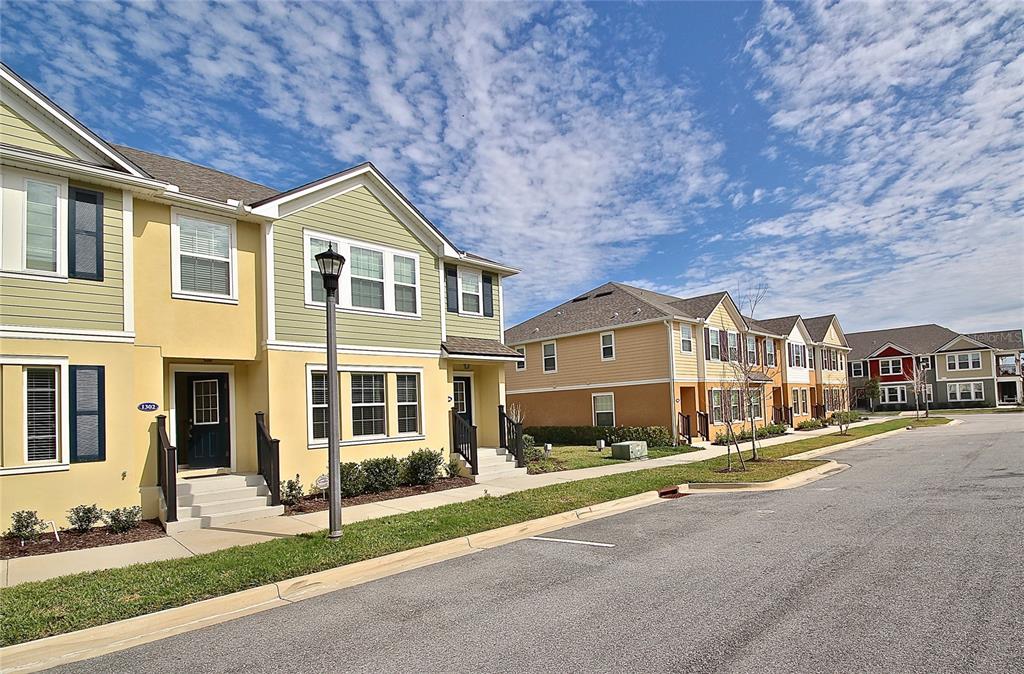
{"type": "Point", "coordinates": [330, 263]}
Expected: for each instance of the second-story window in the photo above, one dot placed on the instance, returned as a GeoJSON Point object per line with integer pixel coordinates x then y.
{"type": "Point", "coordinates": [963, 361]}
{"type": "Point", "coordinates": [686, 338]}
{"type": "Point", "coordinates": [550, 357]}
{"type": "Point", "coordinates": [752, 349]}
{"type": "Point", "coordinates": [521, 364]}
{"type": "Point", "coordinates": [890, 366]}
{"type": "Point", "coordinates": [810, 357]}
{"type": "Point", "coordinates": [734, 346]}
{"type": "Point", "coordinates": [607, 346]}
{"type": "Point", "coordinates": [470, 291]}
{"type": "Point", "coordinates": [204, 253]}
{"type": "Point", "coordinates": [375, 279]}
{"type": "Point", "coordinates": [715, 348]}
{"type": "Point", "coordinates": [769, 352]}
{"type": "Point", "coordinates": [41, 225]}
{"type": "Point", "coordinates": [857, 369]}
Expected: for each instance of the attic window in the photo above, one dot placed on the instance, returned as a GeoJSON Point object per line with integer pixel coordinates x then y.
{"type": "Point", "coordinates": [606, 293]}
{"type": "Point", "coordinates": [582, 298]}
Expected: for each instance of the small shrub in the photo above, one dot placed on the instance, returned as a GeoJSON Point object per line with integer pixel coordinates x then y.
{"type": "Point", "coordinates": [382, 474]}
{"type": "Point", "coordinates": [353, 479]}
{"type": "Point", "coordinates": [528, 441]}
{"type": "Point", "coordinates": [454, 467]}
{"type": "Point", "coordinates": [291, 491]}
{"type": "Point", "coordinates": [809, 425]}
{"type": "Point", "coordinates": [25, 525]}
{"type": "Point", "coordinates": [654, 436]}
{"type": "Point", "coordinates": [533, 453]}
{"type": "Point", "coordinates": [743, 435]}
{"type": "Point", "coordinates": [83, 518]}
{"type": "Point", "coordinates": [423, 465]}
{"type": "Point", "coordinates": [122, 520]}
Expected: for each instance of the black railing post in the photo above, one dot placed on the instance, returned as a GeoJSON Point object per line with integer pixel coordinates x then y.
{"type": "Point", "coordinates": [268, 457]}
{"type": "Point", "coordinates": [502, 428]}
{"type": "Point", "coordinates": [167, 469]}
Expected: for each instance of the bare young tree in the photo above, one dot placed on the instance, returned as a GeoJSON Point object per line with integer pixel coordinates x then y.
{"type": "Point", "coordinates": [749, 370]}
{"type": "Point", "coordinates": [919, 385]}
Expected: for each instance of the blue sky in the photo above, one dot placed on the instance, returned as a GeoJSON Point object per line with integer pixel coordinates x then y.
{"type": "Point", "coordinates": [862, 159]}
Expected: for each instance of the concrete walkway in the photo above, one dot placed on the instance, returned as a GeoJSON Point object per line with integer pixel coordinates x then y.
{"type": "Point", "coordinates": [200, 541]}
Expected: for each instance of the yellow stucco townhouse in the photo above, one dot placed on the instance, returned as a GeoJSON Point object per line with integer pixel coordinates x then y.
{"type": "Point", "coordinates": [150, 308]}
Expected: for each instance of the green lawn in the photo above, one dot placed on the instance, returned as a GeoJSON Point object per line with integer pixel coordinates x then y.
{"type": "Point", "coordinates": [573, 457]}
{"type": "Point", "coordinates": [36, 610]}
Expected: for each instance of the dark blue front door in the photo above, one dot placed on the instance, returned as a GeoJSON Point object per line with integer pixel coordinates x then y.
{"type": "Point", "coordinates": [204, 430]}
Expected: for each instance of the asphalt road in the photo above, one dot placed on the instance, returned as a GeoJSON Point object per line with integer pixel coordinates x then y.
{"type": "Point", "coordinates": [910, 561]}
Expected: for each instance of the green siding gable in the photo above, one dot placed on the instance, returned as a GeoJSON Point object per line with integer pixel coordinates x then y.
{"type": "Point", "coordinates": [18, 131]}
{"type": "Point", "coordinates": [357, 215]}
{"type": "Point", "coordinates": [78, 304]}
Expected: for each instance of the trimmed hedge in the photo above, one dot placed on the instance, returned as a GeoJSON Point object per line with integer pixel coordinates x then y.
{"type": "Point", "coordinates": [769, 431]}
{"type": "Point", "coordinates": [654, 436]}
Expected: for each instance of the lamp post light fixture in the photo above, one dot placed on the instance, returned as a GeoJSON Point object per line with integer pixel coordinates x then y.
{"type": "Point", "coordinates": [330, 263]}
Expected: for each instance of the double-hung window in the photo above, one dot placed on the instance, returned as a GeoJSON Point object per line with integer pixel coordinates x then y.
{"type": "Point", "coordinates": [319, 424]}
{"type": "Point", "coordinates": [857, 368]}
{"type": "Point", "coordinates": [966, 391]}
{"type": "Point", "coordinates": [604, 409]}
{"type": "Point", "coordinates": [751, 349]}
{"type": "Point", "coordinates": [734, 346]}
{"type": "Point", "coordinates": [803, 402]}
{"type": "Point", "coordinates": [550, 357]}
{"type": "Point", "coordinates": [890, 366]}
{"type": "Point", "coordinates": [408, 386]}
{"type": "Point", "coordinates": [686, 338]}
{"type": "Point", "coordinates": [716, 406]}
{"type": "Point", "coordinates": [375, 279]}
{"type": "Point", "coordinates": [893, 394]}
{"type": "Point", "coordinates": [715, 345]}
{"type": "Point", "coordinates": [368, 407]}
{"type": "Point", "coordinates": [470, 291]}
{"type": "Point", "coordinates": [925, 363]}
{"type": "Point", "coordinates": [42, 201]}
{"type": "Point", "coordinates": [41, 414]}
{"type": "Point", "coordinates": [929, 393]}
{"type": "Point", "coordinates": [755, 405]}
{"type": "Point", "coordinates": [521, 364]}
{"type": "Point", "coordinates": [964, 361]}
{"type": "Point", "coordinates": [607, 346]}
{"type": "Point", "coordinates": [367, 278]}
{"type": "Point", "coordinates": [810, 357]}
{"type": "Point", "coordinates": [769, 352]}
{"type": "Point", "coordinates": [204, 256]}
{"type": "Point", "coordinates": [735, 408]}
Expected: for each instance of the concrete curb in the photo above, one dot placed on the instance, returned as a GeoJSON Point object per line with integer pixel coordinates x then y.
{"type": "Point", "coordinates": [92, 642]}
{"type": "Point", "coordinates": [789, 482]}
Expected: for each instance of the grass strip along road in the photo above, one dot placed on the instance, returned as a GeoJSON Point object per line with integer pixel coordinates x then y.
{"type": "Point", "coordinates": [59, 605]}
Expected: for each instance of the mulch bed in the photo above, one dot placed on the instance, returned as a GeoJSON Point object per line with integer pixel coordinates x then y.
{"type": "Point", "coordinates": [45, 544]}
{"type": "Point", "coordinates": [312, 504]}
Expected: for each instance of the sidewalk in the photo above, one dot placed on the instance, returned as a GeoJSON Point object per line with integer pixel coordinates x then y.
{"type": "Point", "coordinates": [200, 541]}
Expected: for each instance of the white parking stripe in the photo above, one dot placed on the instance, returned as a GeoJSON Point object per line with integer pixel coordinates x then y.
{"type": "Point", "coordinates": [569, 540]}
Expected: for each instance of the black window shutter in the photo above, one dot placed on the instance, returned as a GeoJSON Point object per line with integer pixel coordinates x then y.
{"type": "Point", "coordinates": [87, 413]}
{"type": "Point", "coordinates": [707, 344]}
{"type": "Point", "coordinates": [85, 234]}
{"type": "Point", "coordinates": [451, 283]}
{"type": "Point", "coordinates": [723, 341]}
{"type": "Point", "coordinates": [488, 290]}
{"type": "Point", "coordinates": [789, 353]}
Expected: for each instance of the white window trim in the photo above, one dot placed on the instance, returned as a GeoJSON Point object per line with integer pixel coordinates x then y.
{"type": "Point", "coordinates": [770, 354]}
{"type": "Point", "coordinates": [479, 274]}
{"type": "Point", "coordinates": [20, 178]}
{"type": "Point", "coordinates": [721, 407]}
{"type": "Point", "coordinates": [398, 403]}
{"type": "Point", "coordinates": [217, 390]}
{"type": "Point", "coordinates": [953, 391]}
{"type": "Point", "coordinates": [344, 246]}
{"type": "Point", "coordinates": [857, 368]}
{"type": "Point", "coordinates": [521, 364]}
{"type": "Point", "coordinates": [312, 443]}
{"type": "Point", "coordinates": [176, 290]}
{"type": "Point", "coordinates": [954, 358]}
{"type": "Point", "coordinates": [593, 406]}
{"type": "Point", "coordinates": [602, 346]}
{"type": "Point", "coordinates": [352, 405]}
{"type": "Point", "coordinates": [728, 346]}
{"type": "Point", "coordinates": [750, 399]}
{"type": "Point", "coordinates": [685, 336]}
{"type": "Point", "coordinates": [901, 396]}
{"type": "Point", "coordinates": [929, 393]}
{"type": "Point", "coordinates": [748, 340]}
{"type": "Point", "coordinates": [544, 358]}
{"type": "Point", "coordinates": [890, 361]}
{"type": "Point", "coordinates": [715, 343]}
{"type": "Point", "coordinates": [63, 461]}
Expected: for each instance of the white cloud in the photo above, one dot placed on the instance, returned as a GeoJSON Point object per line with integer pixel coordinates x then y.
{"type": "Point", "coordinates": [502, 120]}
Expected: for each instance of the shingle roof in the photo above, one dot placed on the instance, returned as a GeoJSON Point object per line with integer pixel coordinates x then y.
{"type": "Point", "coordinates": [817, 327]}
{"type": "Point", "coordinates": [475, 346]}
{"type": "Point", "coordinates": [700, 306]}
{"type": "Point", "coordinates": [199, 181]}
{"type": "Point", "coordinates": [916, 339]}
{"type": "Point", "coordinates": [1008, 340]}
{"type": "Point", "coordinates": [782, 325]}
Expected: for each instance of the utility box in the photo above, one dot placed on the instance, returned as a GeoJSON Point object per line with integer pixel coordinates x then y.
{"type": "Point", "coordinates": [634, 450]}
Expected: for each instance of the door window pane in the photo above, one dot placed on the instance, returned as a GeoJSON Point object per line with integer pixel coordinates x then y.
{"type": "Point", "coordinates": [205, 402]}
{"type": "Point", "coordinates": [460, 396]}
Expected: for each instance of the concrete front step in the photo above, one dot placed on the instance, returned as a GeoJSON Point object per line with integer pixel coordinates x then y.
{"type": "Point", "coordinates": [204, 497]}
{"type": "Point", "coordinates": [219, 483]}
{"type": "Point", "coordinates": [222, 519]}
{"type": "Point", "coordinates": [225, 506]}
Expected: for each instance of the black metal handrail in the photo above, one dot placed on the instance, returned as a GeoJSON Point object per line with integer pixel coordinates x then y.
{"type": "Point", "coordinates": [167, 469]}
{"type": "Point", "coordinates": [464, 441]}
{"type": "Point", "coordinates": [703, 425]}
{"type": "Point", "coordinates": [268, 457]}
{"type": "Point", "coordinates": [819, 412]}
{"type": "Point", "coordinates": [510, 437]}
{"type": "Point", "coordinates": [685, 431]}
{"type": "Point", "coordinates": [782, 415]}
